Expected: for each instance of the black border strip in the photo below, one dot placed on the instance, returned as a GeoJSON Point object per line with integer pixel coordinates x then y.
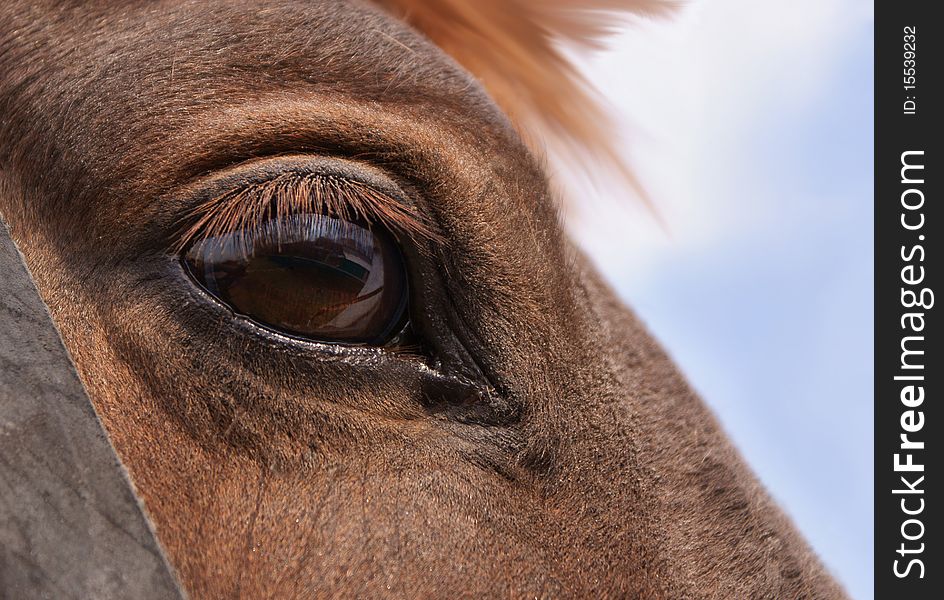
{"type": "Point", "coordinates": [70, 522]}
{"type": "Point", "coordinates": [907, 272]}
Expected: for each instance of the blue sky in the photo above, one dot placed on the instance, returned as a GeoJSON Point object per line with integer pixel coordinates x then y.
{"type": "Point", "coordinates": [758, 149]}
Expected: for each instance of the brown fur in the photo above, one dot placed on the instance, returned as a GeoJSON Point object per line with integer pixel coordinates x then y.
{"type": "Point", "coordinates": [514, 48]}
{"type": "Point", "coordinates": [551, 451]}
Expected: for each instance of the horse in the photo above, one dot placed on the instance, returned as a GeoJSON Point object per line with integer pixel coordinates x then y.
{"type": "Point", "coordinates": [310, 269]}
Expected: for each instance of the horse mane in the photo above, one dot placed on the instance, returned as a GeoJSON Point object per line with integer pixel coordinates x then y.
{"type": "Point", "coordinates": [516, 49]}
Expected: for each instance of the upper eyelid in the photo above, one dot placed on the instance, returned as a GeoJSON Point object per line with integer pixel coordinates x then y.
{"type": "Point", "coordinates": [292, 185]}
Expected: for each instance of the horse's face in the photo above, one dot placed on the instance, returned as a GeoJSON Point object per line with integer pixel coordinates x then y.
{"type": "Point", "coordinates": [530, 440]}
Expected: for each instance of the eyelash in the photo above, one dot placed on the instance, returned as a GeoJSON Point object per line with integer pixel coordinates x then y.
{"type": "Point", "coordinates": [247, 208]}
{"type": "Point", "coordinates": [285, 230]}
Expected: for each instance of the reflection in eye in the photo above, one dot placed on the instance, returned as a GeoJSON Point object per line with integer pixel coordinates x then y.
{"type": "Point", "coordinates": [309, 275]}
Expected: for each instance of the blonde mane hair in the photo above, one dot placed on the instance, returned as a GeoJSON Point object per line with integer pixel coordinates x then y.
{"type": "Point", "coordinates": [516, 49]}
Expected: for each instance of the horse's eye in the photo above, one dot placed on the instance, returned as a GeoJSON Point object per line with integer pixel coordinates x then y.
{"type": "Point", "coordinates": [309, 275]}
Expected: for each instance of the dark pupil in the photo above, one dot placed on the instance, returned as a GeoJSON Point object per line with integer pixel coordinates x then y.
{"type": "Point", "coordinates": [313, 276]}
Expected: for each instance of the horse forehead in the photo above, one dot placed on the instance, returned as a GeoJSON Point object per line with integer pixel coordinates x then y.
{"type": "Point", "coordinates": [181, 53]}
{"type": "Point", "coordinates": [101, 88]}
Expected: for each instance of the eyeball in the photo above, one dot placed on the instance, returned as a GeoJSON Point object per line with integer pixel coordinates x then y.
{"type": "Point", "coordinates": [313, 276]}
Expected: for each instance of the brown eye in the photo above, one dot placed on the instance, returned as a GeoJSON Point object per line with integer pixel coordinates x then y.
{"type": "Point", "coordinates": [309, 275]}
